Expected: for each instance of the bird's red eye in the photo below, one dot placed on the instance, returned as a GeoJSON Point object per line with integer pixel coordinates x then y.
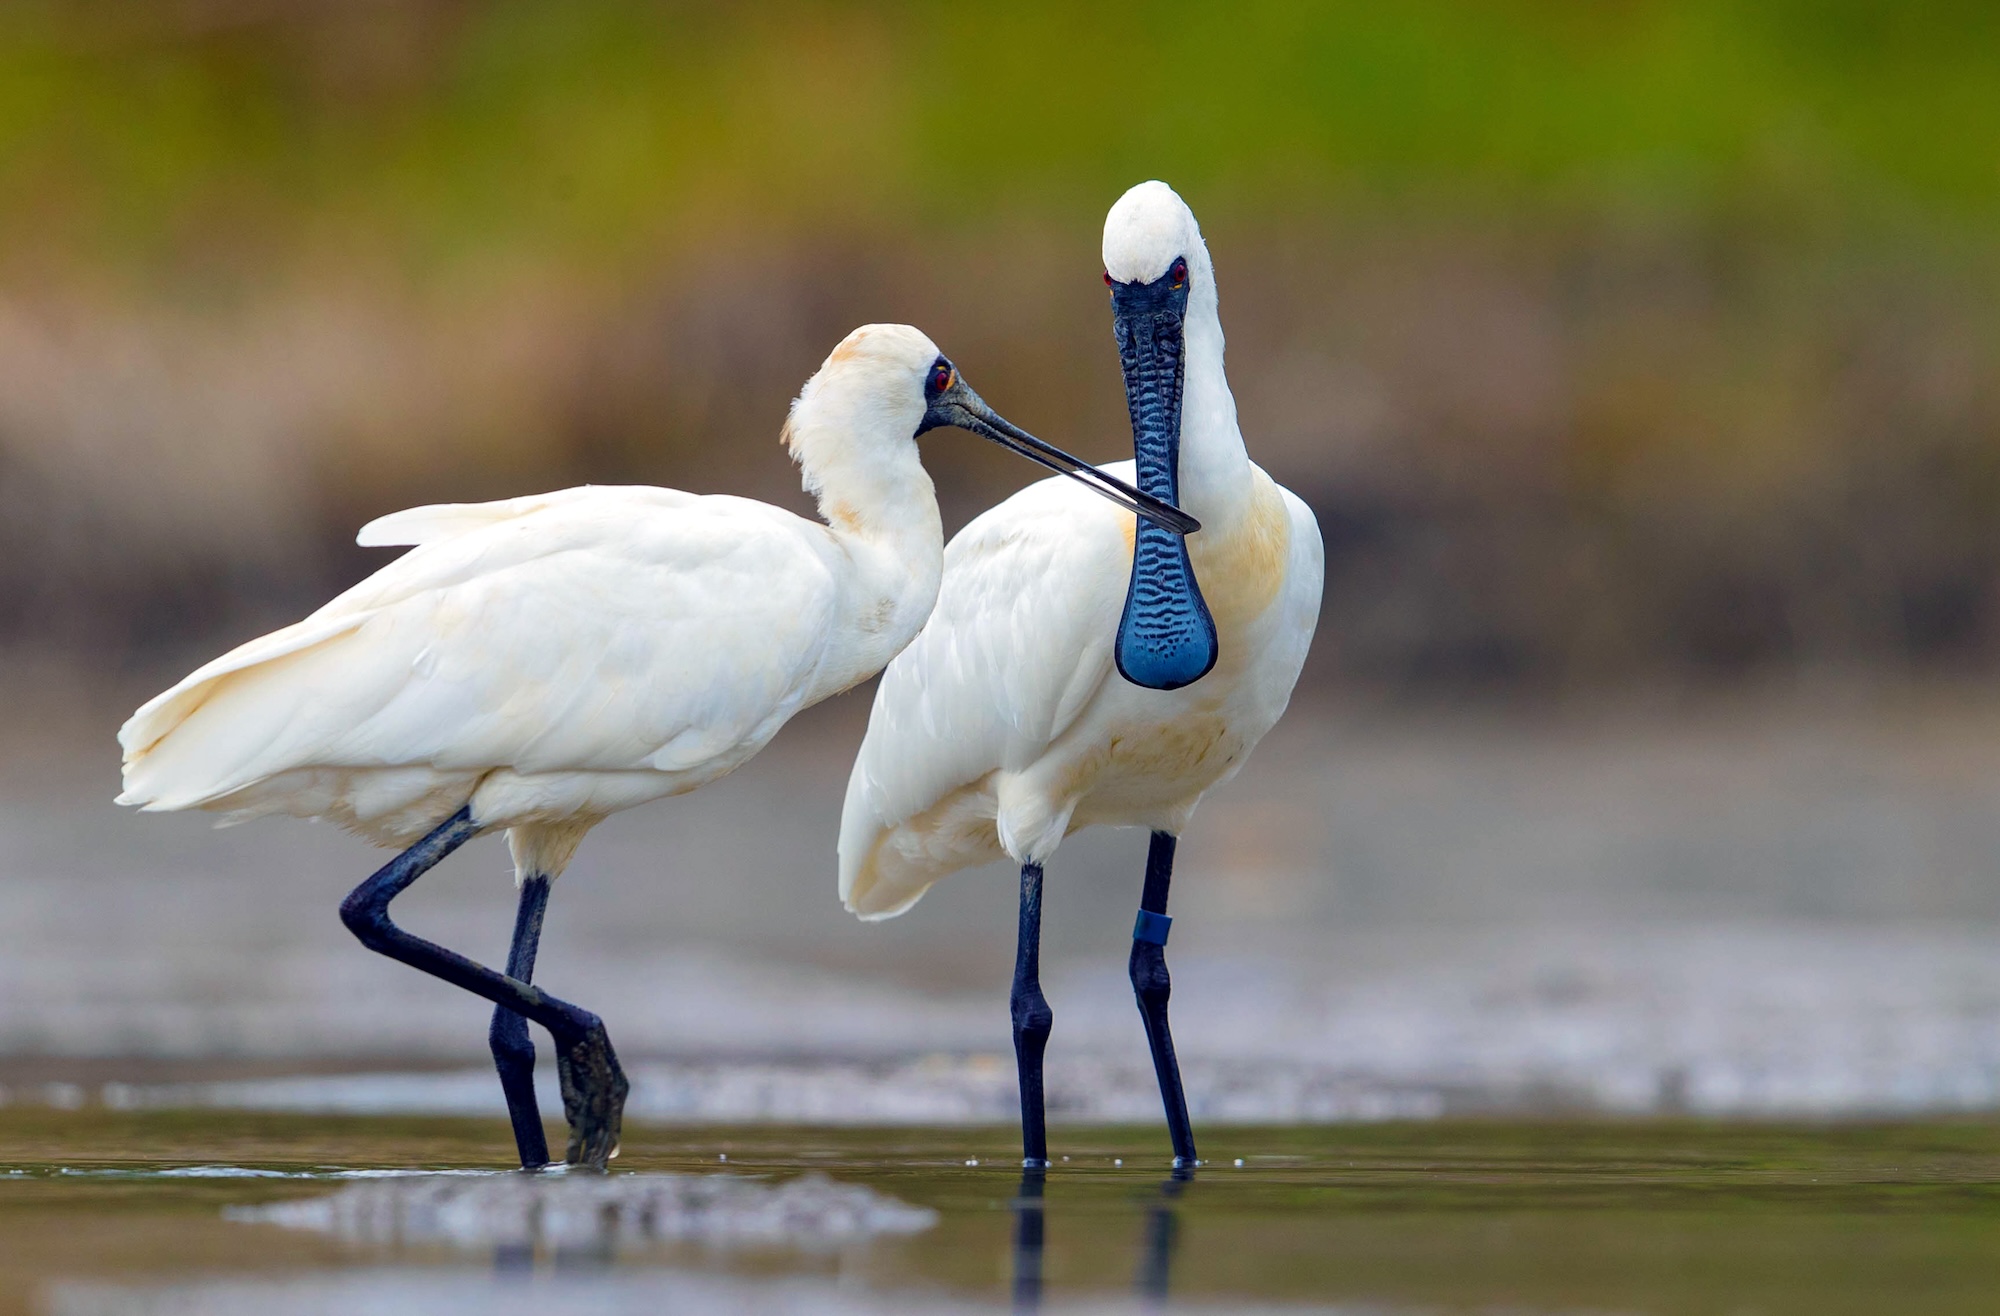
{"type": "Point", "coordinates": [1107, 278]}
{"type": "Point", "coordinates": [941, 378]}
{"type": "Point", "coordinates": [1180, 273]}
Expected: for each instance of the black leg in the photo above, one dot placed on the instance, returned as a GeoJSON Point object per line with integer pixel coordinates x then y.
{"type": "Point", "coordinates": [1152, 986]}
{"type": "Point", "coordinates": [1028, 1232]}
{"type": "Point", "coordinates": [513, 1049]}
{"type": "Point", "coordinates": [1032, 1019]}
{"type": "Point", "coordinates": [593, 1086]}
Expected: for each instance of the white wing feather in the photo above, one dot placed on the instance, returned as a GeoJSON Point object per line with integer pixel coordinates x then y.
{"type": "Point", "coordinates": [590, 630]}
{"type": "Point", "coordinates": [421, 525]}
{"type": "Point", "coordinates": [1020, 640]}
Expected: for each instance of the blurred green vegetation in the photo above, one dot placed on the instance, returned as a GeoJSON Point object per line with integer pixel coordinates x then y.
{"type": "Point", "coordinates": [1606, 338]}
{"type": "Point", "coordinates": [594, 129]}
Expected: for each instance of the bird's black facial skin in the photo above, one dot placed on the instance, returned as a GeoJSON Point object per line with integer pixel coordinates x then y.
{"type": "Point", "coordinates": [937, 381]}
{"type": "Point", "coordinates": [1166, 638]}
{"type": "Point", "coordinates": [949, 401]}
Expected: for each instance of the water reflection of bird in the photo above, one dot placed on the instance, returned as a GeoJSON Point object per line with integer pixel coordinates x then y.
{"type": "Point", "coordinates": [1151, 1280]}
{"type": "Point", "coordinates": [1163, 1226]}
{"type": "Point", "coordinates": [1074, 672]}
{"type": "Point", "coordinates": [536, 664]}
{"type": "Point", "coordinates": [1030, 1238]}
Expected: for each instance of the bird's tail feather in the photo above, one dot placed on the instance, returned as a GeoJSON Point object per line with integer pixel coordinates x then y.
{"type": "Point", "coordinates": [886, 868]}
{"type": "Point", "coordinates": [159, 772]}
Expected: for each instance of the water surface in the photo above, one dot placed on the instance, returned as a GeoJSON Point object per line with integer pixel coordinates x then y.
{"type": "Point", "coordinates": [106, 1211]}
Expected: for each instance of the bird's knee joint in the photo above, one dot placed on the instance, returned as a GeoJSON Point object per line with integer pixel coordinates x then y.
{"type": "Point", "coordinates": [513, 1053]}
{"type": "Point", "coordinates": [1152, 989]}
{"type": "Point", "coordinates": [366, 919]}
{"type": "Point", "coordinates": [1033, 1017]}
{"type": "Point", "coordinates": [1150, 980]}
{"type": "Point", "coordinates": [509, 1040]}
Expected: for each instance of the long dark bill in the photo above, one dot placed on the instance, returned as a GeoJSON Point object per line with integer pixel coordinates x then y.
{"type": "Point", "coordinates": [959, 406]}
{"type": "Point", "coordinates": [1166, 638]}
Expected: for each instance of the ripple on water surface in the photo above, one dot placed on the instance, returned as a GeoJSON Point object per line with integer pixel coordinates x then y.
{"type": "Point", "coordinates": [683, 1293]}
{"type": "Point", "coordinates": [594, 1210]}
{"type": "Point", "coordinates": [224, 1212]}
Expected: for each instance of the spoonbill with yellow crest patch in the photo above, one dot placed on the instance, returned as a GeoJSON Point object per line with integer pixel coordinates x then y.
{"type": "Point", "coordinates": [1081, 667]}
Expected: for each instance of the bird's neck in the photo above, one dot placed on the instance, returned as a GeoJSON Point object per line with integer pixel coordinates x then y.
{"type": "Point", "coordinates": [883, 512]}
{"type": "Point", "coordinates": [1215, 471]}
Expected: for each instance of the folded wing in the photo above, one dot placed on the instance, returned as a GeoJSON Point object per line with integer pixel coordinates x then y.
{"type": "Point", "coordinates": [590, 630]}
{"type": "Point", "coordinates": [1019, 642]}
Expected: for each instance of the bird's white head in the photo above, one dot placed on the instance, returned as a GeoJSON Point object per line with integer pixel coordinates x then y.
{"type": "Point", "coordinates": [854, 425]}
{"type": "Point", "coordinates": [1147, 231]}
{"type": "Point", "coordinates": [869, 390]}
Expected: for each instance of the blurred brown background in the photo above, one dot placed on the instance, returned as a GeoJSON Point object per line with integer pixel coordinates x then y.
{"type": "Point", "coordinates": [1639, 360]}
{"type": "Point", "coordinates": [1611, 343]}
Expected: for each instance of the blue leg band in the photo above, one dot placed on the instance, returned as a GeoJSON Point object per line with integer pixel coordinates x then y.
{"type": "Point", "coordinates": [1152, 927]}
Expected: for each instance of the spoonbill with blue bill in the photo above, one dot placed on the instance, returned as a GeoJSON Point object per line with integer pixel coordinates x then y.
{"type": "Point", "coordinates": [1083, 667]}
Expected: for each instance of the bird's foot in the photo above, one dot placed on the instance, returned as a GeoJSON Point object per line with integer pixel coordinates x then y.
{"type": "Point", "coordinates": [593, 1091]}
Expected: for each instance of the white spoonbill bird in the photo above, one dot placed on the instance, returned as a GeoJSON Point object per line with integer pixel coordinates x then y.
{"type": "Point", "coordinates": [538, 663]}
{"type": "Point", "coordinates": [1073, 672]}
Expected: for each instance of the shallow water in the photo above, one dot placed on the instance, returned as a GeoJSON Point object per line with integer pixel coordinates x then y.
{"type": "Point", "coordinates": [1739, 909]}
{"type": "Point", "coordinates": [171, 1211]}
